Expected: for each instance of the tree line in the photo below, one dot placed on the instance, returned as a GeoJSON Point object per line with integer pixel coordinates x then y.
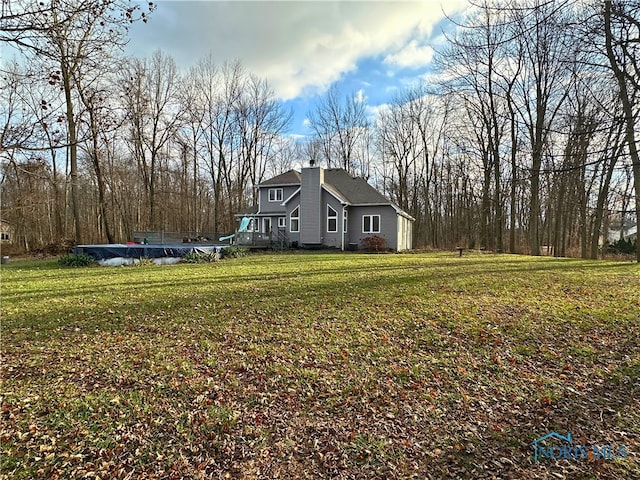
{"type": "Point", "coordinates": [525, 136]}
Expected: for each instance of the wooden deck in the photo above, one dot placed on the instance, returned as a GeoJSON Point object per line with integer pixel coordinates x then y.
{"type": "Point", "coordinates": [260, 240]}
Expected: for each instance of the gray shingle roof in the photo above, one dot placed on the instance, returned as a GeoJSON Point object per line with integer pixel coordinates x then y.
{"type": "Point", "coordinates": [355, 190]}
{"type": "Point", "coordinates": [287, 178]}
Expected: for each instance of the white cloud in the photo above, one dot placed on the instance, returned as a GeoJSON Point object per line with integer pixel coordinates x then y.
{"type": "Point", "coordinates": [297, 136]}
{"type": "Point", "coordinates": [374, 111]}
{"type": "Point", "coordinates": [300, 47]}
{"type": "Point", "coordinates": [412, 55]}
{"type": "Point", "coordinates": [360, 96]}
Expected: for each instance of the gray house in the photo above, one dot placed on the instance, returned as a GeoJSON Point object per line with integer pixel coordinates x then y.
{"type": "Point", "coordinates": [324, 208]}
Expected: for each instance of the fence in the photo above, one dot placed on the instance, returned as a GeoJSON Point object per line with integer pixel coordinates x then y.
{"type": "Point", "coordinates": [261, 239]}
{"type": "Point", "coordinates": [161, 237]}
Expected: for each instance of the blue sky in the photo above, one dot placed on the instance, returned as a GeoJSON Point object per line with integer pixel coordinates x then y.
{"type": "Point", "coordinates": [366, 48]}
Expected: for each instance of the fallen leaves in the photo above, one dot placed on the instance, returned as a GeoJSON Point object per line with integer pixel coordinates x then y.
{"type": "Point", "coordinates": [335, 367]}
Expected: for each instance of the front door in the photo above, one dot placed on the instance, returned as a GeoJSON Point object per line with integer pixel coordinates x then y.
{"type": "Point", "coordinates": [266, 225]}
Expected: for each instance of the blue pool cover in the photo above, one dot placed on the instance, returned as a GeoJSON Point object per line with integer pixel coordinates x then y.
{"type": "Point", "coordinates": [117, 250]}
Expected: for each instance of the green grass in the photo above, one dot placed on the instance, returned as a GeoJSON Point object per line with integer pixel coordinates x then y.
{"type": "Point", "coordinates": [319, 365]}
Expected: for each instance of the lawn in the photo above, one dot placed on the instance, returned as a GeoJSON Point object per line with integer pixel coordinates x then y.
{"type": "Point", "coordinates": [322, 365]}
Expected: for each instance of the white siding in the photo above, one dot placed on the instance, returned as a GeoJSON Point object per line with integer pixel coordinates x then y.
{"type": "Point", "coordinates": [405, 233]}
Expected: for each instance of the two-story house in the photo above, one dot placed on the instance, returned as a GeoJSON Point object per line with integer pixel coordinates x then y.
{"type": "Point", "coordinates": [321, 207]}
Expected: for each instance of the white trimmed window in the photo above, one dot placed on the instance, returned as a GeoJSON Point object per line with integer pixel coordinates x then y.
{"type": "Point", "coordinates": [332, 220]}
{"type": "Point", "coordinates": [275, 195]}
{"type": "Point", "coordinates": [282, 222]}
{"type": "Point", "coordinates": [294, 220]}
{"type": "Point", "coordinates": [371, 224]}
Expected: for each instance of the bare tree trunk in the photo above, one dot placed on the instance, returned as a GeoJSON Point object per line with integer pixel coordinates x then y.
{"type": "Point", "coordinates": [627, 108]}
{"type": "Point", "coordinates": [603, 192]}
{"type": "Point", "coordinates": [73, 151]}
{"type": "Point", "coordinates": [514, 172]}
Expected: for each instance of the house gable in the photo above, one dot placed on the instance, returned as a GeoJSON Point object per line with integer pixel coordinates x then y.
{"type": "Point", "coordinates": [272, 199]}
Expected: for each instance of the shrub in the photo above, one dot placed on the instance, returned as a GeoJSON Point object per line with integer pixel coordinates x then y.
{"type": "Point", "coordinates": [194, 257]}
{"type": "Point", "coordinates": [234, 252]}
{"type": "Point", "coordinates": [622, 246]}
{"type": "Point", "coordinates": [57, 248]}
{"type": "Point", "coordinates": [143, 262]}
{"type": "Point", "coordinates": [373, 243]}
{"type": "Point", "coordinates": [76, 260]}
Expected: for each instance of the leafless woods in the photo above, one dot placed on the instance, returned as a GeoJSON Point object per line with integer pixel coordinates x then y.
{"type": "Point", "coordinates": [524, 135]}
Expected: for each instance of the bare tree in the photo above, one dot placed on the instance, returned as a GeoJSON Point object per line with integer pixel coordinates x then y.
{"type": "Point", "coordinates": [220, 90]}
{"type": "Point", "coordinates": [34, 128]}
{"type": "Point", "coordinates": [313, 151]}
{"type": "Point", "coordinates": [483, 68]}
{"type": "Point", "coordinates": [286, 152]}
{"type": "Point", "coordinates": [622, 37]}
{"type": "Point", "coordinates": [98, 122]}
{"type": "Point", "coordinates": [260, 120]}
{"type": "Point", "coordinates": [541, 33]}
{"type": "Point", "coordinates": [339, 124]}
{"type": "Point", "coordinates": [19, 129]}
{"type": "Point", "coordinates": [189, 139]}
{"type": "Point", "coordinates": [152, 102]}
{"type": "Point", "coordinates": [72, 36]}
{"type": "Point", "coordinates": [399, 142]}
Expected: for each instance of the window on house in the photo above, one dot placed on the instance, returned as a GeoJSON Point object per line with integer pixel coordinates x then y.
{"type": "Point", "coordinates": [371, 224]}
{"type": "Point", "coordinates": [282, 222]}
{"type": "Point", "coordinates": [332, 219]}
{"type": "Point", "coordinates": [275, 194]}
{"type": "Point", "coordinates": [294, 220]}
